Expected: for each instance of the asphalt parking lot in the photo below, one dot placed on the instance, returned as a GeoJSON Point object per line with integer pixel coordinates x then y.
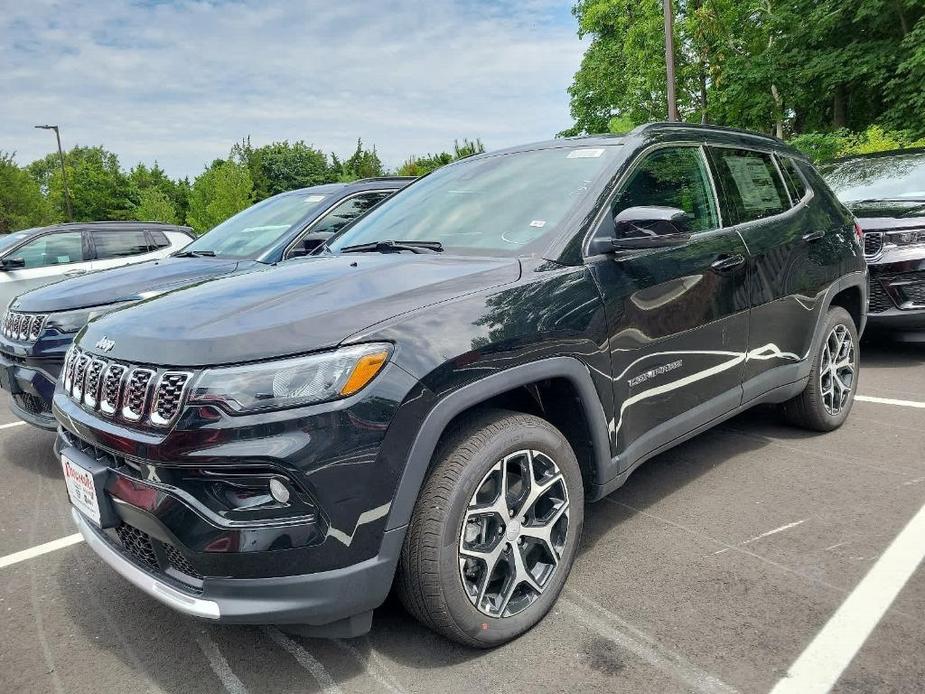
{"type": "Point", "coordinates": [710, 571]}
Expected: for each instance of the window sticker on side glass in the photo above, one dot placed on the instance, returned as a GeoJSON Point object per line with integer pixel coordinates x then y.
{"type": "Point", "coordinates": [753, 179]}
{"type": "Point", "coordinates": [585, 153]}
{"type": "Point", "coordinates": [314, 198]}
{"type": "Point", "coordinates": [538, 223]}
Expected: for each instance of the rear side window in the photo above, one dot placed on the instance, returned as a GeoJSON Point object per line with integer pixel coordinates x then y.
{"type": "Point", "coordinates": [159, 239]}
{"type": "Point", "coordinates": [751, 183]}
{"type": "Point", "coordinates": [793, 179]}
{"type": "Point", "coordinates": [119, 244]}
{"type": "Point", "coordinates": [349, 210]}
{"type": "Point", "coordinates": [672, 177]}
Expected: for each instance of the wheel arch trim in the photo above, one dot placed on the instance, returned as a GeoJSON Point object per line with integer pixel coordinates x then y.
{"type": "Point", "coordinates": [473, 394]}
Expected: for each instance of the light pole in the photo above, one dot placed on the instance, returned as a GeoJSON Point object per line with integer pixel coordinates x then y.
{"type": "Point", "coordinates": [67, 195]}
{"type": "Point", "coordinates": [669, 59]}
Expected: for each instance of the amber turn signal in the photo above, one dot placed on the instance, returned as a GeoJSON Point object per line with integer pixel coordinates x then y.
{"type": "Point", "coordinates": [364, 371]}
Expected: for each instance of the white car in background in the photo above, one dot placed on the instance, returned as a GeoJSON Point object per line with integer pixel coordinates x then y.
{"type": "Point", "coordinates": [34, 257]}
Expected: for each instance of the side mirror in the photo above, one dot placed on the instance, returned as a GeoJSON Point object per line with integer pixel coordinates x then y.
{"type": "Point", "coordinates": [642, 227]}
{"type": "Point", "coordinates": [12, 263]}
{"type": "Point", "coordinates": [308, 244]}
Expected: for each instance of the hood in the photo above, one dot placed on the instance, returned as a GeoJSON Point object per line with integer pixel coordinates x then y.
{"type": "Point", "coordinates": [889, 214]}
{"type": "Point", "coordinates": [299, 307]}
{"type": "Point", "coordinates": [125, 283]}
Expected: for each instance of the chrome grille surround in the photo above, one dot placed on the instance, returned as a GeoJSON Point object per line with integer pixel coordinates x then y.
{"type": "Point", "coordinates": [135, 397]}
{"type": "Point", "coordinates": [135, 394]}
{"type": "Point", "coordinates": [92, 382]}
{"type": "Point", "coordinates": [111, 389]}
{"type": "Point", "coordinates": [873, 244]}
{"type": "Point", "coordinates": [25, 327]}
{"type": "Point", "coordinates": [168, 396]}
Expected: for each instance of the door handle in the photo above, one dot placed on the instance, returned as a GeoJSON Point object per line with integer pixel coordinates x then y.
{"type": "Point", "coordinates": [74, 273]}
{"type": "Point", "coordinates": [725, 262]}
{"type": "Point", "coordinates": [813, 236]}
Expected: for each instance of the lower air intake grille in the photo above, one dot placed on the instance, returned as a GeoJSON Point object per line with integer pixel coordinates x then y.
{"type": "Point", "coordinates": [138, 545]}
{"type": "Point", "coordinates": [879, 301]}
{"type": "Point", "coordinates": [179, 562]}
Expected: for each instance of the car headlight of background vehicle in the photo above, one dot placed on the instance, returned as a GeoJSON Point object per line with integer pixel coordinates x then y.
{"type": "Point", "coordinates": [905, 239]}
{"type": "Point", "coordinates": [72, 321]}
{"type": "Point", "coordinates": [290, 382]}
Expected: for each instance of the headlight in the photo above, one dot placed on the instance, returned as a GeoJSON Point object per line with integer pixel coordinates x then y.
{"type": "Point", "coordinates": [72, 321]}
{"type": "Point", "coordinates": [904, 239]}
{"type": "Point", "coordinates": [291, 382]}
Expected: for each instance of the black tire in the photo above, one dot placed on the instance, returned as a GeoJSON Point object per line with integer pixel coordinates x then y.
{"type": "Point", "coordinates": [430, 578]}
{"type": "Point", "coordinates": [809, 409]}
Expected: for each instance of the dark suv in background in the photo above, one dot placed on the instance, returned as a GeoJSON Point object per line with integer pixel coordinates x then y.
{"type": "Point", "coordinates": [431, 398]}
{"type": "Point", "coordinates": [38, 327]}
{"type": "Point", "coordinates": [886, 193]}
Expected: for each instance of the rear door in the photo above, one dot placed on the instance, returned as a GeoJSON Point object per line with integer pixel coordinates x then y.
{"type": "Point", "coordinates": [678, 317]}
{"type": "Point", "coordinates": [787, 273]}
{"type": "Point", "coordinates": [117, 247]}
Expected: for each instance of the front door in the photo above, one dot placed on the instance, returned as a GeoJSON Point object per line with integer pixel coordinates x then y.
{"type": "Point", "coordinates": [678, 317]}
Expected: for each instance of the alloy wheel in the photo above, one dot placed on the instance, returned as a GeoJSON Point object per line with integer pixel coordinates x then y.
{"type": "Point", "coordinates": [837, 369]}
{"type": "Point", "coordinates": [513, 533]}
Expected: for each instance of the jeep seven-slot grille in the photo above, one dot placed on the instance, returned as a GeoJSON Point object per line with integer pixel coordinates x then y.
{"type": "Point", "coordinates": [873, 243]}
{"type": "Point", "coordinates": [137, 394]}
{"type": "Point", "coordinates": [25, 327]}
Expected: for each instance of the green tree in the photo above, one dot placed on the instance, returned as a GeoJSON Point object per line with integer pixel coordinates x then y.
{"type": "Point", "coordinates": [281, 166]}
{"type": "Point", "coordinates": [99, 189]}
{"type": "Point", "coordinates": [155, 206]}
{"type": "Point", "coordinates": [217, 193]}
{"type": "Point", "coordinates": [363, 163]}
{"type": "Point", "coordinates": [419, 166]}
{"type": "Point", "coordinates": [22, 204]}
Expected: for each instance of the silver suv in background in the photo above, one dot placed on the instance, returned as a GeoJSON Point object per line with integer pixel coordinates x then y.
{"type": "Point", "coordinates": [35, 257]}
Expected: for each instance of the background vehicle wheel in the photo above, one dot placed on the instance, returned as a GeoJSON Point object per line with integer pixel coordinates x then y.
{"type": "Point", "coordinates": [495, 529]}
{"type": "Point", "coordinates": [825, 403]}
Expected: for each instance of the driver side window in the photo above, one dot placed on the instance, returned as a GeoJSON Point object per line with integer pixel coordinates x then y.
{"type": "Point", "coordinates": [672, 177]}
{"type": "Point", "coordinates": [52, 249]}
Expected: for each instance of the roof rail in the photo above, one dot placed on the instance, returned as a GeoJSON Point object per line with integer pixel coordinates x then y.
{"type": "Point", "coordinates": [664, 125]}
{"type": "Point", "coordinates": [373, 179]}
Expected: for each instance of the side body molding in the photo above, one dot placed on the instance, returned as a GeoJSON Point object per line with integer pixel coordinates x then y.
{"type": "Point", "coordinates": [456, 402]}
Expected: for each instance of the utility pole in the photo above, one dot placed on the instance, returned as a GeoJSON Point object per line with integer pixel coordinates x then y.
{"type": "Point", "coordinates": [67, 194]}
{"type": "Point", "coordinates": [669, 59]}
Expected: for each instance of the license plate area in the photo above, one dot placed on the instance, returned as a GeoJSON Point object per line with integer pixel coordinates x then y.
{"type": "Point", "coordinates": [86, 481]}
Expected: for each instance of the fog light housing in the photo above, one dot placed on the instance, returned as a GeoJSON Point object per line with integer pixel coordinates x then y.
{"type": "Point", "coordinates": [279, 491]}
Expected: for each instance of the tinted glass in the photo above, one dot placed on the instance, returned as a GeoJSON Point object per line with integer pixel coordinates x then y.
{"type": "Point", "coordinates": [119, 244]}
{"type": "Point", "coordinates": [792, 177]}
{"type": "Point", "coordinates": [751, 183]}
{"type": "Point", "coordinates": [159, 238]}
{"type": "Point", "coordinates": [256, 229]}
{"type": "Point", "coordinates": [347, 211]}
{"type": "Point", "coordinates": [7, 241]}
{"type": "Point", "coordinates": [674, 177]}
{"type": "Point", "coordinates": [52, 249]}
{"type": "Point", "coordinates": [894, 177]}
{"type": "Point", "coordinates": [502, 205]}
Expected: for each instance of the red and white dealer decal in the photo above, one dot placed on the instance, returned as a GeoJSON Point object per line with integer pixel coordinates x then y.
{"type": "Point", "coordinates": [80, 489]}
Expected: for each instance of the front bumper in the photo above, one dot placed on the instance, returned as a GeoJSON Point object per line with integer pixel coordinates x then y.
{"type": "Point", "coordinates": [30, 374]}
{"type": "Point", "coordinates": [897, 297]}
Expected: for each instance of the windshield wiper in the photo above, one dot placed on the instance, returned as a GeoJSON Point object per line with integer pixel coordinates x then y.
{"type": "Point", "coordinates": [395, 246]}
{"type": "Point", "coordinates": [194, 254]}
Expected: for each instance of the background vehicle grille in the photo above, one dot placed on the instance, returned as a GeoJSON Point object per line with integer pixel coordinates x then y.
{"type": "Point", "coordinates": [25, 327]}
{"type": "Point", "coordinates": [879, 301]}
{"type": "Point", "coordinates": [873, 244]}
{"type": "Point", "coordinates": [137, 394]}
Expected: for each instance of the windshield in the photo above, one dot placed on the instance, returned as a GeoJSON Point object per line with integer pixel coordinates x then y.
{"type": "Point", "coordinates": [9, 240]}
{"type": "Point", "coordinates": [501, 205]}
{"type": "Point", "coordinates": [256, 229]}
{"type": "Point", "coordinates": [892, 177]}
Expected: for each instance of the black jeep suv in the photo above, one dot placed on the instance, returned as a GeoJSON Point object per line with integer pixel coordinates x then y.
{"type": "Point", "coordinates": [886, 193]}
{"type": "Point", "coordinates": [284, 226]}
{"type": "Point", "coordinates": [430, 400]}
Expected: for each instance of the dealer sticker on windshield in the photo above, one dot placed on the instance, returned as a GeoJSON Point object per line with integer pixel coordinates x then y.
{"type": "Point", "coordinates": [81, 489]}
{"type": "Point", "coordinates": [314, 198]}
{"type": "Point", "coordinates": [585, 153]}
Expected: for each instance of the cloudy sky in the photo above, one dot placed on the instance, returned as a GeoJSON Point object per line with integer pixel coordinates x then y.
{"type": "Point", "coordinates": [180, 81]}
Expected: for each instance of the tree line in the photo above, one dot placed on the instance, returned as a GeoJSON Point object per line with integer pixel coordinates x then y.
{"type": "Point", "coordinates": [101, 189]}
{"type": "Point", "coordinates": [775, 66]}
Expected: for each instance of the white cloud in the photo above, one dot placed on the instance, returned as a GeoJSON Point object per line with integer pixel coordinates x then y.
{"type": "Point", "coordinates": [180, 82]}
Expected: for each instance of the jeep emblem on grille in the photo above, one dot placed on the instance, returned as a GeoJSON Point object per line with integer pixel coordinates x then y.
{"type": "Point", "coordinates": [105, 344]}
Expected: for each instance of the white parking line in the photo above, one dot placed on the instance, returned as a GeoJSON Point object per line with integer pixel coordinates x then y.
{"type": "Point", "coordinates": [230, 681]}
{"type": "Point", "coordinates": [39, 550]}
{"type": "Point", "coordinates": [890, 401]}
{"type": "Point", "coordinates": [826, 657]}
{"type": "Point", "coordinates": [305, 659]}
{"type": "Point", "coordinates": [767, 534]}
{"type": "Point", "coordinates": [11, 424]}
